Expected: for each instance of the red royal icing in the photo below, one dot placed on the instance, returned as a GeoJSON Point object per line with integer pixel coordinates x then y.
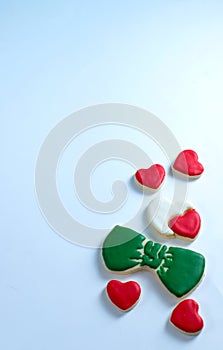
{"type": "Point", "coordinates": [186, 225]}
{"type": "Point", "coordinates": [185, 316]}
{"type": "Point", "coordinates": [151, 177]}
{"type": "Point", "coordinates": [123, 295]}
{"type": "Point", "coordinates": [187, 163]}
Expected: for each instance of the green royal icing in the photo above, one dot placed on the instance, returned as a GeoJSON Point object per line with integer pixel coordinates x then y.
{"type": "Point", "coordinates": [179, 269]}
{"type": "Point", "coordinates": [182, 271]}
{"type": "Point", "coordinates": [121, 249]}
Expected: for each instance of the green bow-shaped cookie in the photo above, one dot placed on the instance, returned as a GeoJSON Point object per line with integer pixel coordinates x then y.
{"type": "Point", "coordinates": [179, 269]}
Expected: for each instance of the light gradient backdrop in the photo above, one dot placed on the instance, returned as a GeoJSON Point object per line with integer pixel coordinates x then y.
{"type": "Point", "coordinates": [56, 57]}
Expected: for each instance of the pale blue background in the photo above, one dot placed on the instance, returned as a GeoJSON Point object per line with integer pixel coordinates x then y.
{"type": "Point", "coordinates": [59, 56]}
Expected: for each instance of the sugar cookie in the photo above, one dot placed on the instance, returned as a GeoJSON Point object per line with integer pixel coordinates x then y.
{"type": "Point", "coordinates": [150, 179]}
{"type": "Point", "coordinates": [178, 269]}
{"type": "Point", "coordinates": [186, 318]}
{"type": "Point", "coordinates": [173, 219]}
{"type": "Point", "coordinates": [186, 226]}
{"type": "Point", "coordinates": [187, 164]}
{"type": "Point", "coordinates": [123, 295]}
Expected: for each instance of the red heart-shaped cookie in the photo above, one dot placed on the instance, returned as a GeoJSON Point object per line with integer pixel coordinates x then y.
{"type": "Point", "coordinates": [186, 225]}
{"type": "Point", "coordinates": [123, 295]}
{"type": "Point", "coordinates": [152, 177]}
{"type": "Point", "coordinates": [185, 317]}
{"type": "Point", "coordinates": [187, 163]}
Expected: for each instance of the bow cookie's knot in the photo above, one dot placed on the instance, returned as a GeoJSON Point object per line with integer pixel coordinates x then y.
{"type": "Point", "coordinates": [154, 254]}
